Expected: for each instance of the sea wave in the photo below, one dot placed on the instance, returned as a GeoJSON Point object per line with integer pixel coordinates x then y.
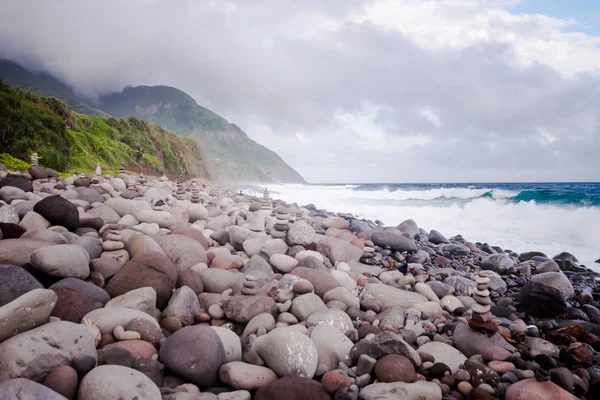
{"type": "Point", "coordinates": [482, 214]}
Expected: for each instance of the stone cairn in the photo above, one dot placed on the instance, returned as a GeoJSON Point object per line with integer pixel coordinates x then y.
{"type": "Point", "coordinates": [368, 256]}
{"type": "Point", "coordinates": [163, 178]}
{"type": "Point", "coordinates": [111, 239]}
{"type": "Point", "coordinates": [266, 201]}
{"type": "Point", "coordinates": [195, 190]}
{"type": "Point", "coordinates": [122, 169]}
{"type": "Point", "coordinates": [249, 286]}
{"type": "Point", "coordinates": [482, 317]}
{"type": "Point", "coordinates": [34, 160]}
{"type": "Point", "coordinates": [98, 170]}
{"type": "Point", "coordinates": [180, 191]}
{"type": "Point", "coordinates": [141, 180]}
{"type": "Point", "coordinates": [282, 224]}
{"type": "Point", "coordinates": [131, 184]}
{"type": "Point", "coordinates": [95, 182]}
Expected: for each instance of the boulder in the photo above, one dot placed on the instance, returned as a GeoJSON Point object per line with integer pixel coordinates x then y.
{"type": "Point", "coordinates": [294, 388]}
{"type": "Point", "coordinates": [394, 368]}
{"type": "Point", "coordinates": [15, 282]}
{"type": "Point", "coordinates": [195, 353]}
{"type": "Point", "coordinates": [183, 251]}
{"type": "Point", "coordinates": [18, 251]}
{"type": "Point", "coordinates": [183, 305]}
{"type": "Point", "coordinates": [17, 182]}
{"type": "Point", "coordinates": [217, 280]}
{"type": "Point", "coordinates": [335, 222]}
{"type": "Point", "coordinates": [244, 376]}
{"type": "Point", "coordinates": [394, 239]}
{"type": "Point", "coordinates": [33, 354]}
{"type": "Point", "coordinates": [389, 296]}
{"type": "Point", "coordinates": [410, 227]}
{"type": "Point", "coordinates": [322, 282]}
{"type": "Point", "coordinates": [332, 346]}
{"type": "Point", "coordinates": [242, 308]}
{"type": "Point", "coordinates": [385, 343]}
{"type": "Point", "coordinates": [279, 349]}
{"type": "Point", "coordinates": [546, 294]}
{"type": "Point", "coordinates": [305, 305]}
{"type": "Point", "coordinates": [421, 390]}
{"type": "Point", "coordinates": [106, 319]}
{"type": "Point", "coordinates": [335, 318]}
{"type": "Point", "coordinates": [444, 353]}
{"type": "Point", "coordinates": [58, 211]}
{"type": "Point", "coordinates": [26, 312]}
{"type": "Point", "coordinates": [499, 263]}
{"type": "Point", "coordinates": [110, 382]}
{"type": "Point", "coordinates": [338, 250]}
{"type": "Point", "coordinates": [531, 389]}
{"type": "Point", "coordinates": [107, 214]}
{"type": "Point", "coordinates": [63, 260]}
{"type": "Point", "coordinates": [142, 299]}
{"type": "Point", "coordinates": [24, 389]}
{"type": "Point", "coordinates": [148, 269]}
{"type": "Point", "coordinates": [33, 221]}
{"type": "Point", "coordinates": [91, 292]}
{"type": "Point", "coordinates": [71, 305]}
{"type": "Point", "coordinates": [300, 233]}
{"type": "Point", "coordinates": [471, 342]}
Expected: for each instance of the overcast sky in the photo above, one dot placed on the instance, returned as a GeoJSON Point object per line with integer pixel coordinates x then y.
{"type": "Point", "coordinates": [350, 90]}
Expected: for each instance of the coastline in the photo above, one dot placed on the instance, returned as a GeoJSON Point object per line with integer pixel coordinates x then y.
{"type": "Point", "coordinates": [182, 288]}
{"type": "Point", "coordinates": [548, 217]}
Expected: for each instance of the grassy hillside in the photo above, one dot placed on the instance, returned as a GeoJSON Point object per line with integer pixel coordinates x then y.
{"type": "Point", "coordinates": [67, 141]}
{"type": "Point", "coordinates": [15, 75]}
{"type": "Point", "coordinates": [232, 155]}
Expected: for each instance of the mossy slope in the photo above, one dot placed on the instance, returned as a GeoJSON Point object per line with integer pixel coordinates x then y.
{"type": "Point", "coordinates": [68, 142]}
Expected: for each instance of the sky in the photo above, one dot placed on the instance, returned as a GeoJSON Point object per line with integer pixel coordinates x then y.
{"type": "Point", "coordinates": [351, 90]}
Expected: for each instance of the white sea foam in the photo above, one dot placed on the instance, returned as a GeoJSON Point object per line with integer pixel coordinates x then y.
{"type": "Point", "coordinates": [521, 226]}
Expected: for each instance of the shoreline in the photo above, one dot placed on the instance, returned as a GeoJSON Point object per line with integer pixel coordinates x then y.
{"type": "Point", "coordinates": [186, 290]}
{"type": "Point", "coordinates": [456, 215]}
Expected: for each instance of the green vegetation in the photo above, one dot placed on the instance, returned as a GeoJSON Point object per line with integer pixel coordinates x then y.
{"type": "Point", "coordinates": [15, 75]}
{"type": "Point", "coordinates": [68, 142]}
{"type": "Point", "coordinates": [232, 155]}
{"type": "Point", "coordinates": [13, 163]}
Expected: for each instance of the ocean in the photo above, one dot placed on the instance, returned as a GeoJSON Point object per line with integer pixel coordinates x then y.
{"type": "Point", "coordinates": [547, 217]}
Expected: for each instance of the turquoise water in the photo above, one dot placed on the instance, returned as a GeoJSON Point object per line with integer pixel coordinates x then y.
{"type": "Point", "coordinates": [548, 217]}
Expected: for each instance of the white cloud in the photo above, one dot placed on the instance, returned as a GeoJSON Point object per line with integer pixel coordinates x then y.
{"type": "Point", "coordinates": [347, 90]}
{"type": "Point", "coordinates": [439, 24]}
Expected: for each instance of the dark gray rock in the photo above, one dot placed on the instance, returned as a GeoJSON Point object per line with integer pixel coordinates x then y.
{"type": "Point", "coordinates": [394, 239]}
{"type": "Point", "coordinates": [15, 282]}
{"type": "Point", "coordinates": [58, 211]}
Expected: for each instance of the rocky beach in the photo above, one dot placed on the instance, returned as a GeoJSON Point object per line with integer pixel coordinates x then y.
{"type": "Point", "coordinates": [140, 287]}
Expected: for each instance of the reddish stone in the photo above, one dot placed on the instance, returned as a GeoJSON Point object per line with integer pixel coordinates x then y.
{"type": "Point", "coordinates": [63, 380]}
{"type": "Point", "coordinates": [71, 305]}
{"type": "Point", "coordinates": [531, 389]}
{"type": "Point", "coordinates": [394, 368]}
{"type": "Point", "coordinates": [138, 348]}
{"type": "Point", "coordinates": [172, 324]}
{"type": "Point", "coordinates": [332, 381]}
{"type": "Point", "coordinates": [486, 317]}
{"type": "Point", "coordinates": [486, 326]}
{"type": "Point", "coordinates": [292, 388]}
{"type": "Point", "coordinates": [148, 269]}
{"type": "Point", "coordinates": [581, 354]}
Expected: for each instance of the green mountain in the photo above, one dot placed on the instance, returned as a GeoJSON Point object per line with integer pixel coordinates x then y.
{"type": "Point", "coordinates": [15, 75]}
{"type": "Point", "coordinates": [233, 156]}
{"type": "Point", "coordinates": [69, 142]}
